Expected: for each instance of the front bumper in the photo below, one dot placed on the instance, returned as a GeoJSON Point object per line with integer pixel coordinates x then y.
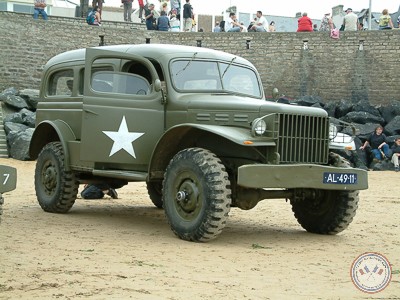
{"type": "Point", "coordinates": [298, 176]}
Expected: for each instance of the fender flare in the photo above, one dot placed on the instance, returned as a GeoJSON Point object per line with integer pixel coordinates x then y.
{"type": "Point", "coordinates": [172, 137]}
{"type": "Point", "coordinates": [51, 131]}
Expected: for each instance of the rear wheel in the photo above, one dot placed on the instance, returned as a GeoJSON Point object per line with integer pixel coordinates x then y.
{"type": "Point", "coordinates": [196, 195]}
{"type": "Point", "coordinates": [155, 193]}
{"type": "Point", "coordinates": [56, 188]}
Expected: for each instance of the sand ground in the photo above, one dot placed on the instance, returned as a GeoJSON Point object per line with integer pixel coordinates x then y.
{"type": "Point", "coordinates": [124, 249]}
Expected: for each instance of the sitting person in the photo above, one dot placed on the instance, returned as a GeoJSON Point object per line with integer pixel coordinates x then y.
{"type": "Point", "coordinates": [232, 25]}
{"type": "Point", "coordinates": [98, 191]}
{"type": "Point", "coordinates": [93, 17]}
{"type": "Point", "coordinates": [396, 154]}
{"type": "Point", "coordinates": [377, 142]}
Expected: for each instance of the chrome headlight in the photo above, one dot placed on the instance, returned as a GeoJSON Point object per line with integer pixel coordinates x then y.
{"type": "Point", "coordinates": [333, 131]}
{"type": "Point", "coordinates": [259, 127]}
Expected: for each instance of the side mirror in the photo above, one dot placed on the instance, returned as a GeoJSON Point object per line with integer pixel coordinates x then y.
{"type": "Point", "coordinates": [157, 85]}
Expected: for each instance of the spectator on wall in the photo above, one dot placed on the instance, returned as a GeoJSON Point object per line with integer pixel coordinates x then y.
{"type": "Point", "coordinates": [385, 21]}
{"type": "Point", "coordinates": [231, 24]}
{"type": "Point", "coordinates": [188, 16]}
{"type": "Point", "coordinates": [350, 20]}
{"type": "Point", "coordinates": [163, 22]}
{"type": "Point", "coordinates": [261, 23]}
{"type": "Point", "coordinates": [39, 9]}
{"type": "Point", "coordinates": [217, 28]}
{"type": "Point", "coordinates": [127, 10]}
{"type": "Point", "coordinates": [174, 23]}
{"type": "Point", "coordinates": [99, 3]}
{"type": "Point", "coordinates": [304, 23]}
{"type": "Point", "coordinates": [271, 26]}
{"type": "Point", "coordinates": [149, 16]}
{"type": "Point", "coordinates": [326, 23]}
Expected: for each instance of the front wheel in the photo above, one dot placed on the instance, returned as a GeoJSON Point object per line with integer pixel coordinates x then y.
{"type": "Point", "coordinates": [326, 212]}
{"type": "Point", "coordinates": [56, 188]}
{"type": "Point", "coordinates": [196, 195]}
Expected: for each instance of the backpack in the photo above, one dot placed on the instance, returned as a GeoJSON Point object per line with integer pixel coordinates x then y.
{"type": "Point", "coordinates": [90, 17]}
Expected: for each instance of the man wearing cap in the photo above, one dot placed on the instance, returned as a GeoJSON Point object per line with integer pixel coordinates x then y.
{"type": "Point", "coordinates": [350, 20]}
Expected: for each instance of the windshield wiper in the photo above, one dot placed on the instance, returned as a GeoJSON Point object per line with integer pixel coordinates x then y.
{"type": "Point", "coordinates": [228, 67]}
{"type": "Point", "coordinates": [187, 65]}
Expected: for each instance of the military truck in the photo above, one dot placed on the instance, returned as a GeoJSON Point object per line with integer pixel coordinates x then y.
{"type": "Point", "coordinates": [8, 182]}
{"type": "Point", "coordinates": [194, 124]}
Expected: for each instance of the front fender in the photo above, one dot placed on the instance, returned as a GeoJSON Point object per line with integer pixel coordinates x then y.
{"type": "Point", "coordinates": [51, 131]}
{"type": "Point", "coordinates": [184, 136]}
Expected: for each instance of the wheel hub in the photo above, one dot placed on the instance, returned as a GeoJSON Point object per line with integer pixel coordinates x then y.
{"type": "Point", "coordinates": [187, 197]}
{"type": "Point", "coordinates": [49, 177]}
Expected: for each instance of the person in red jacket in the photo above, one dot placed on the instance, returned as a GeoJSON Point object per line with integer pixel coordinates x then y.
{"type": "Point", "coordinates": [305, 23]}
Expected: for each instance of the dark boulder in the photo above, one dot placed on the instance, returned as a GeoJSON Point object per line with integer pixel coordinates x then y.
{"type": "Point", "coordinates": [391, 111]}
{"type": "Point", "coordinates": [14, 127]}
{"type": "Point", "coordinates": [14, 101]}
{"type": "Point", "coordinates": [18, 143]}
{"type": "Point", "coordinates": [343, 108]}
{"type": "Point", "coordinates": [13, 118]}
{"type": "Point", "coordinates": [308, 100]}
{"type": "Point", "coordinates": [31, 97]}
{"type": "Point", "coordinates": [362, 117]}
{"type": "Point", "coordinates": [366, 107]}
{"type": "Point", "coordinates": [330, 108]}
{"type": "Point", "coordinates": [393, 128]}
{"type": "Point", "coordinates": [28, 117]}
{"type": "Point", "coordinates": [9, 91]}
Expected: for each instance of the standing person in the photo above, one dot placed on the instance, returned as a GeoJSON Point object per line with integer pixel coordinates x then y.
{"type": "Point", "coordinates": [377, 142]}
{"type": "Point", "coordinates": [232, 25]}
{"type": "Point", "coordinates": [385, 21]}
{"type": "Point", "coordinates": [326, 23]}
{"type": "Point", "coordinates": [304, 23]}
{"type": "Point", "coordinates": [174, 23]}
{"type": "Point", "coordinates": [39, 6]}
{"type": "Point", "coordinates": [187, 16]}
{"type": "Point", "coordinates": [261, 24]}
{"type": "Point", "coordinates": [396, 154]}
{"type": "Point", "coordinates": [163, 22]}
{"type": "Point", "coordinates": [141, 9]}
{"type": "Point", "coordinates": [350, 20]}
{"type": "Point", "coordinates": [127, 10]}
{"type": "Point", "coordinates": [149, 16]}
{"type": "Point", "coordinates": [217, 28]}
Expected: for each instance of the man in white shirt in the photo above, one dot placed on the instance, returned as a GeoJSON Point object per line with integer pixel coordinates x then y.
{"type": "Point", "coordinates": [350, 20]}
{"type": "Point", "coordinates": [261, 24]}
{"type": "Point", "coordinates": [231, 25]}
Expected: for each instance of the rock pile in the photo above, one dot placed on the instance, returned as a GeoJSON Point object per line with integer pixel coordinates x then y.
{"type": "Point", "coordinates": [19, 121]}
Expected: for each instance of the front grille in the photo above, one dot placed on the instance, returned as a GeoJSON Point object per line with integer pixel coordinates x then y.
{"type": "Point", "coordinates": [303, 139]}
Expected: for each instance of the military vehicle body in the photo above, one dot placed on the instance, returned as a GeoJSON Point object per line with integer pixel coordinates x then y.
{"type": "Point", "coordinates": [193, 123]}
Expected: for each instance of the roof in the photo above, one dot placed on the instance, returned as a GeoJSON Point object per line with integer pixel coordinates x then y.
{"type": "Point", "coordinates": [154, 51]}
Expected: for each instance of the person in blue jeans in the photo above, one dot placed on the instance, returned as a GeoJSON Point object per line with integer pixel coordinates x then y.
{"type": "Point", "coordinates": [149, 16]}
{"type": "Point", "coordinates": [377, 142]}
{"type": "Point", "coordinates": [39, 9]}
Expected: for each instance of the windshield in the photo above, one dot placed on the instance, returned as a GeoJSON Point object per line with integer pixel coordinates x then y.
{"type": "Point", "coordinates": [198, 76]}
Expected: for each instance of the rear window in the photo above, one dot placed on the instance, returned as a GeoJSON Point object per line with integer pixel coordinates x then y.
{"type": "Point", "coordinates": [61, 83]}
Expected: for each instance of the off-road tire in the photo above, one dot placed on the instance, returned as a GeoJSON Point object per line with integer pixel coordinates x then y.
{"type": "Point", "coordinates": [329, 212]}
{"type": "Point", "coordinates": [56, 188]}
{"type": "Point", "coordinates": [154, 190]}
{"type": "Point", "coordinates": [1, 206]}
{"type": "Point", "coordinates": [200, 175]}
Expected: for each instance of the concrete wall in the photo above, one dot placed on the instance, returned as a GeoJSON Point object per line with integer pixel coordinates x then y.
{"type": "Point", "coordinates": [332, 69]}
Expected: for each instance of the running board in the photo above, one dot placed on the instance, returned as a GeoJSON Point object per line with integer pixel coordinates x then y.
{"type": "Point", "coordinates": [127, 175]}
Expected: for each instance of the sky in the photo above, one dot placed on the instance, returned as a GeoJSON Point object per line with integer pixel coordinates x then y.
{"type": "Point", "coordinates": [315, 8]}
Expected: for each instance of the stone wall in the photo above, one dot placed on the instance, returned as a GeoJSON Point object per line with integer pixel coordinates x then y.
{"type": "Point", "coordinates": [331, 69]}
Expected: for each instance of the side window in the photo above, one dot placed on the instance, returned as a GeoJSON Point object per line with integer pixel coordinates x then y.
{"type": "Point", "coordinates": [120, 83]}
{"type": "Point", "coordinates": [61, 83]}
{"type": "Point", "coordinates": [94, 71]}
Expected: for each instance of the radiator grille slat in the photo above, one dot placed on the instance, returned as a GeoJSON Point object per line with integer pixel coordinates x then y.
{"type": "Point", "coordinates": [303, 139]}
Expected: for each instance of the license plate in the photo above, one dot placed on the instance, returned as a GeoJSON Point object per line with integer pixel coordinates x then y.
{"type": "Point", "coordinates": [340, 178]}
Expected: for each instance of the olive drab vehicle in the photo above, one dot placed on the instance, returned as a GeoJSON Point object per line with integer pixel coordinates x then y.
{"type": "Point", "coordinates": [8, 182]}
{"type": "Point", "coordinates": [194, 124]}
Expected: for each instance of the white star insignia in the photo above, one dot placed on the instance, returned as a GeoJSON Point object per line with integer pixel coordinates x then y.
{"type": "Point", "coordinates": [123, 138]}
